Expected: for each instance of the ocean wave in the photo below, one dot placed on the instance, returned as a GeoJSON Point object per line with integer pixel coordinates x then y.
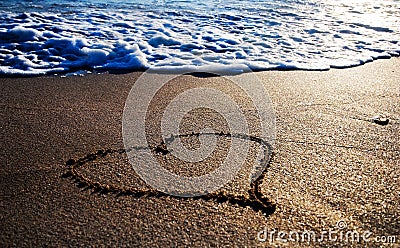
{"type": "Point", "coordinates": [131, 36]}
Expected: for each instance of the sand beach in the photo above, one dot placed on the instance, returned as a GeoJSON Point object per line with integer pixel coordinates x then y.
{"type": "Point", "coordinates": [332, 167]}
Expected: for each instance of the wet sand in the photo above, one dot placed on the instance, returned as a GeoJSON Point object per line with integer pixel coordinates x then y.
{"type": "Point", "coordinates": [330, 164]}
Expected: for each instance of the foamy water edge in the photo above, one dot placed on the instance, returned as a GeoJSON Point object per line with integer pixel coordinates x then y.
{"type": "Point", "coordinates": [265, 36]}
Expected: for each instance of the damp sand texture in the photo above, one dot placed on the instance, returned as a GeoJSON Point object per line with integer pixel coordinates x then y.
{"type": "Point", "coordinates": [330, 162]}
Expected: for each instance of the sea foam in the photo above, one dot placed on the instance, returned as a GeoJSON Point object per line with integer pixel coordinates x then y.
{"type": "Point", "coordinates": [60, 38]}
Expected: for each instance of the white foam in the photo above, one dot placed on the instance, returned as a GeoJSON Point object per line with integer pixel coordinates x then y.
{"type": "Point", "coordinates": [162, 40]}
{"type": "Point", "coordinates": [21, 34]}
{"type": "Point", "coordinates": [197, 35]}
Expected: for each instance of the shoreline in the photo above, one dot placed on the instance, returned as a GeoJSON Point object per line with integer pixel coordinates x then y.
{"type": "Point", "coordinates": [200, 71]}
{"type": "Point", "coordinates": [330, 163]}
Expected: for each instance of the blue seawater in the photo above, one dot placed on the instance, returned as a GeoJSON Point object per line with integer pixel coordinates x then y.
{"type": "Point", "coordinates": [58, 37]}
